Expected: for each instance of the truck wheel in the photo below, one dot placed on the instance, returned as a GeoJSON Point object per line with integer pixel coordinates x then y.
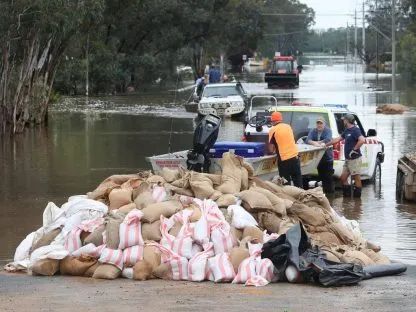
{"type": "Point", "coordinates": [376, 177]}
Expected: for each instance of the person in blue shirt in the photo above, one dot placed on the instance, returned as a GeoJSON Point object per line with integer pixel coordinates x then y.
{"type": "Point", "coordinates": [354, 139]}
{"type": "Point", "coordinates": [320, 136]}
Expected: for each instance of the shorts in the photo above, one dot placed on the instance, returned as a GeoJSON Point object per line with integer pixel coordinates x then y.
{"type": "Point", "coordinates": [353, 166]}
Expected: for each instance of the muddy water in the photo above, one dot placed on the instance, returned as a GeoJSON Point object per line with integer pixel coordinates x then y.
{"type": "Point", "coordinates": [88, 141]}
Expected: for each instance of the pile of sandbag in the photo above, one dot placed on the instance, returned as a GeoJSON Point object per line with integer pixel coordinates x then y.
{"type": "Point", "coordinates": [392, 109]}
{"type": "Point", "coordinates": [184, 225]}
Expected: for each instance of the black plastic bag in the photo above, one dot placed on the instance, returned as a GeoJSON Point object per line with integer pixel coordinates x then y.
{"type": "Point", "coordinates": [294, 248]}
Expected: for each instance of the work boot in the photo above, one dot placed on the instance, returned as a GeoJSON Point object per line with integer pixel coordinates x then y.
{"type": "Point", "coordinates": [357, 192]}
{"type": "Point", "coordinates": [346, 190]}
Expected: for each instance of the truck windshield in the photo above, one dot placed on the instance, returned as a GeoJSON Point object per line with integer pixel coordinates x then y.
{"type": "Point", "coordinates": [303, 122]}
{"type": "Point", "coordinates": [283, 65]}
{"type": "Point", "coordinates": [220, 91]}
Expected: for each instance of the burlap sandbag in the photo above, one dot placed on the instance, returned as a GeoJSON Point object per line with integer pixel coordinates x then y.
{"type": "Point", "coordinates": [268, 185]}
{"type": "Point", "coordinates": [308, 215]}
{"type": "Point", "coordinates": [176, 228]}
{"type": "Point", "coordinates": [244, 179]}
{"type": "Point", "coordinates": [151, 255]}
{"type": "Point", "coordinates": [231, 174]}
{"type": "Point", "coordinates": [119, 197]}
{"type": "Point", "coordinates": [142, 271]}
{"type": "Point", "coordinates": [156, 179]}
{"type": "Point", "coordinates": [342, 232]}
{"type": "Point", "coordinates": [325, 238]}
{"type": "Point", "coordinates": [202, 186]}
{"type": "Point", "coordinates": [76, 266]}
{"type": "Point", "coordinates": [112, 233]}
{"type": "Point", "coordinates": [288, 203]}
{"type": "Point", "coordinates": [285, 225]}
{"type": "Point", "coordinates": [255, 201]}
{"type": "Point", "coordinates": [179, 190]}
{"type": "Point", "coordinates": [226, 200]}
{"type": "Point", "coordinates": [254, 232]}
{"type": "Point", "coordinates": [151, 231]}
{"type": "Point", "coordinates": [90, 271]}
{"type": "Point", "coordinates": [170, 175]}
{"type": "Point", "coordinates": [143, 196]}
{"type": "Point", "coordinates": [163, 271]}
{"type": "Point", "coordinates": [236, 233]}
{"type": "Point", "coordinates": [269, 221]}
{"type": "Point", "coordinates": [127, 208]}
{"type": "Point", "coordinates": [153, 212]}
{"type": "Point", "coordinates": [96, 236]}
{"type": "Point", "coordinates": [316, 195]}
{"type": "Point", "coordinates": [46, 267]}
{"type": "Point", "coordinates": [278, 204]}
{"type": "Point", "coordinates": [356, 257]}
{"type": "Point", "coordinates": [372, 246]}
{"type": "Point", "coordinates": [196, 213]}
{"type": "Point", "coordinates": [292, 191]}
{"type": "Point", "coordinates": [106, 271]}
{"type": "Point", "coordinates": [45, 239]}
{"type": "Point", "coordinates": [377, 257]}
{"type": "Point", "coordinates": [331, 256]}
{"type": "Point", "coordinates": [237, 255]}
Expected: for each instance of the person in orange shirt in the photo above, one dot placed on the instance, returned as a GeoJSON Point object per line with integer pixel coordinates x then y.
{"type": "Point", "coordinates": [282, 142]}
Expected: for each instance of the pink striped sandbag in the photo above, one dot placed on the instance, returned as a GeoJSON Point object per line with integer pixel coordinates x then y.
{"type": "Point", "coordinates": [212, 212]}
{"type": "Point", "coordinates": [221, 237]}
{"type": "Point", "coordinates": [131, 230]}
{"type": "Point", "coordinates": [112, 256]}
{"type": "Point", "coordinates": [132, 254]}
{"type": "Point", "coordinates": [181, 245]}
{"type": "Point", "coordinates": [177, 264]}
{"type": "Point", "coordinates": [73, 240]}
{"type": "Point", "coordinates": [159, 194]}
{"type": "Point", "coordinates": [246, 270]}
{"type": "Point", "coordinates": [265, 269]}
{"type": "Point", "coordinates": [221, 268]}
{"type": "Point", "coordinates": [254, 249]}
{"type": "Point", "coordinates": [201, 231]}
{"type": "Point", "coordinates": [257, 281]}
{"type": "Point", "coordinates": [197, 266]}
{"type": "Point", "coordinates": [91, 225]}
{"type": "Point", "coordinates": [267, 237]}
{"type": "Point", "coordinates": [89, 250]}
{"type": "Point", "coordinates": [183, 216]}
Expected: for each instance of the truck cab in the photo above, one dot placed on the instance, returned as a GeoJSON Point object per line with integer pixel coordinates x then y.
{"type": "Point", "coordinates": [284, 72]}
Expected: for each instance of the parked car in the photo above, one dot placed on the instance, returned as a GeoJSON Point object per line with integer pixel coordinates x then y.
{"type": "Point", "coordinates": [303, 118]}
{"type": "Point", "coordinates": [223, 99]}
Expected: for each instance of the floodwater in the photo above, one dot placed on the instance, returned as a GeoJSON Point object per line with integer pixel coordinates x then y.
{"type": "Point", "coordinates": [86, 141]}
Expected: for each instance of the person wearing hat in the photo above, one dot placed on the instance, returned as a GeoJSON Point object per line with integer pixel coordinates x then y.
{"type": "Point", "coordinates": [319, 136]}
{"type": "Point", "coordinates": [354, 139]}
{"type": "Point", "coordinates": [282, 142]}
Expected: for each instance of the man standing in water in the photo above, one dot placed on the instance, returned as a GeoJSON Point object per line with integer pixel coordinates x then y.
{"type": "Point", "coordinates": [319, 136]}
{"type": "Point", "coordinates": [282, 142]}
{"type": "Point", "coordinates": [354, 139]}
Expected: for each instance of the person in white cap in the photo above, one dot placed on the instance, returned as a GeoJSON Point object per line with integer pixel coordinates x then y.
{"type": "Point", "coordinates": [354, 139]}
{"type": "Point", "coordinates": [320, 136]}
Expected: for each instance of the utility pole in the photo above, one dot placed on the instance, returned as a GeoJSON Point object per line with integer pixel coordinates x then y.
{"type": "Point", "coordinates": [355, 39]}
{"type": "Point", "coordinates": [347, 53]}
{"type": "Point", "coordinates": [87, 64]}
{"type": "Point", "coordinates": [393, 48]}
{"type": "Point", "coordinates": [377, 48]}
{"type": "Point", "coordinates": [363, 47]}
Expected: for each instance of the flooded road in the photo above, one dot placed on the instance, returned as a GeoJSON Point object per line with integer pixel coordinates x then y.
{"type": "Point", "coordinates": [84, 143]}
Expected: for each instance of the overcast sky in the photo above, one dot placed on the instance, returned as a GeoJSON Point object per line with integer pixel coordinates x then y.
{"type": "Point", "coordinates": [323, 8]}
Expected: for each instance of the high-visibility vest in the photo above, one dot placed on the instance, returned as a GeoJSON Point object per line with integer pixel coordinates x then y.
{"type": "Point", "coordinates": [285, 141]}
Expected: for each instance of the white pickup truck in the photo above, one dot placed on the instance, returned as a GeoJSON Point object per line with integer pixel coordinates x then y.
{"type": "Point", "coordinates": [303, 118]}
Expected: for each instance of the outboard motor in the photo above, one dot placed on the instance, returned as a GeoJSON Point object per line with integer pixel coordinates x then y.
{"type": "Point", "coordinates": [205, 135]}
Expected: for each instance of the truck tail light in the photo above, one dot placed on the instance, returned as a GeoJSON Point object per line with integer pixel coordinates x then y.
{"type": "Point", "coordinates": [337, 150]}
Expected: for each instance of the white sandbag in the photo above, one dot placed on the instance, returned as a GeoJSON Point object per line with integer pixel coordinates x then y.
{"type": "Point", "coordinates": [130, 230]}
{"type": "Point", "coordinates": [57, 252]}
{"type": "Point", "coordinates": [22, 251]}
{"type": "Point", "coordinates": [240, 218]}
{"type": "Point", "coordinates": [221, 268]}
{"type": "Point", "coordinates": [127, 273]}
{"type": "Point", "coordinates": [201, 231]}
{"type": "Point", "coordinates": [112, 256]}
{"type": "Point", "coordinates": [159, 194]}
{"type": "Point", "coordinates": [197, 266]}
{"type": "Point", "coordinates": [132, 255]}
{"type": "Point", "coordinates": [51, 213]}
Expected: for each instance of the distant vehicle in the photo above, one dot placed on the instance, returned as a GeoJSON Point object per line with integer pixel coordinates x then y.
{"type": "Point", "coordinates": [303, 118]}
{"type": "Point", "coordinates": [284, 73]}
{"type": "Point", "coordinates": [254, 62]}
{"type": "Point", "coordinates": [223, 99]}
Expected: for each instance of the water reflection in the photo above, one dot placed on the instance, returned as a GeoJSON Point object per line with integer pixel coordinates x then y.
{"type": "Point", "coordinates": [85, 143]}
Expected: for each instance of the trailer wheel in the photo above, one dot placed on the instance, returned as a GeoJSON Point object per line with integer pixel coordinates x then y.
{"type": "Point", "coordinates": [376, 177]}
